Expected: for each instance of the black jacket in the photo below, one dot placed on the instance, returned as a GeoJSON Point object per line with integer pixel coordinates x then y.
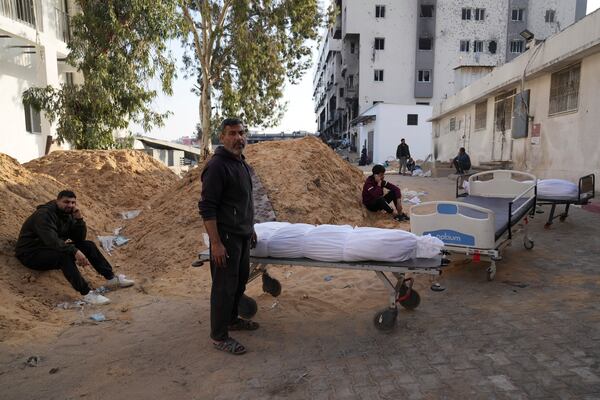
{"type": "Point", "coordinates": [227, 193]}
{"type": "Point", "coordinates": [48, 228]}
{"type": "Point", "coordinates": [402, 150]}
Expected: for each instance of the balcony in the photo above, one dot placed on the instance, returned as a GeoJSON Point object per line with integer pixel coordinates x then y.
{"type": "Point", "coordinates": [28, 12]}
{"type": "Point", "coordinates": [63, 25]}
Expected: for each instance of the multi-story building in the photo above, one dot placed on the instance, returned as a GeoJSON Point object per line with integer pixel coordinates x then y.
{"type": "Point", "coordinates": [33, 48]}
{"type": "Point", "coordinates": [419, 52]}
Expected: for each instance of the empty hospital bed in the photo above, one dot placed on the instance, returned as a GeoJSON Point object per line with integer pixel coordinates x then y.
{"type": "Point", "coordinates": [392, 275]}
{"type": "Point", "coordinates": [586, 190]}
{"type": "Point", "coordinates": [484, 221]}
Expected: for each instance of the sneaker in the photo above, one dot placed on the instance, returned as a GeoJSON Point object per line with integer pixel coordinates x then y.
{"type": "Point", "coordinates": [119, 281]}
{"type": "Point", "coordinates": [401, 217]}
{"type": "Point", "coordinates": [95, 299]}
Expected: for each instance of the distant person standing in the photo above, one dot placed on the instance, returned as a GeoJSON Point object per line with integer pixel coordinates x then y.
{"type": "Point", "coordinates": [462, 162]}
{"type": "Point", "coordinates": [403, 154]}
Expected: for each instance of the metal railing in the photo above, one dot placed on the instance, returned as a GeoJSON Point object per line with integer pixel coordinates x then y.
{"type": "Point", "coordinates": [27, 12]}
{"type": "Point", "coordinates": [63, 25]}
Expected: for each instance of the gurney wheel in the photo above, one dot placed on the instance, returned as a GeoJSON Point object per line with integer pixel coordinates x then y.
{"type": "Point", "coordinates": [528, 243]}
{"type": "Point", "coordinates": [247, 307]}
{"type": "Point", "coordinates": [271, 285]}
{"type": "Point", "coordinates": [386, 320]}
{"type": "Point", "coordinates": [412, 301]}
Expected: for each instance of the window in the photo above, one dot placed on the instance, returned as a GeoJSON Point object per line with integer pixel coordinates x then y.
{"type": "Point", "coordinates": [379, 11]}
{"type": "Point", "coordinates": [503, 110]}
{"type": "Point", "coordinates": [479, 14]}
{"type": "Point", "coordinates": [69, 79]}
{"type": "Point", "coordinates": [379, 43]}
{"type": "Point", "coordinates": [350, 81]}
{"type": "Point", "coordinates": [426, 10]}
{"type": "Point", "coordinates": [412, 119]}
{"type": "Point", "coordinates": [478, 46]}
{"type": "Point", "coordinates": [517, 14]}
{"type": "Point", "coordinates": [564, 90]}
{"type": "Point", "coordinates": [516, 46]}
{"type": "Point", "coordinates": [341, 92]}
{"type": "Point", "coordinates": [425, 43]}
{"type": "Point", "coordinates": [422, 103]}
{"type": "Point", "coordinates": [480, 115]}
{"type": "Point", "coordinates": [352, 47]}
{"type": "Point", "coordinates": [33, 121]}
{"type": "Point", "coordinates": [452, 124]}
{"type": "Point", "coordinates": [550, 14]}
{"type": "Point", "coordinates": [378, 75]}
{"type": "Point", "coordinates": [424, 75]}
{"type": "Point", "coordinates": [466, 13]}
{"type": "Point", "coordinates": [464, 46]}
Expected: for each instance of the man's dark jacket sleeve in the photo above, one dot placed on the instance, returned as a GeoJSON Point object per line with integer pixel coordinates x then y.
{"type": "Point", "coordinates": [212, 190]}
{"type": "Point", "coordinates": [46, 227]}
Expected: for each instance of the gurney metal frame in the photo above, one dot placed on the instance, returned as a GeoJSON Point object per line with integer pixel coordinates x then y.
{"type": "Point", "coordinates": [586, 190]}
{"type": "Point", "coordinates": [478, 237]}
{"type": "Point", "coordinates": [401, 292]}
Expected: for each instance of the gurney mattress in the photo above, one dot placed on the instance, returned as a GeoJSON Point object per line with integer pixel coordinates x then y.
{"type": "Point", "coordinates": [499, 206]}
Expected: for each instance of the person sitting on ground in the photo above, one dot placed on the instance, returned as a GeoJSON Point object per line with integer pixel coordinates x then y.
{"type": "Point", "coordinates": [410, 165]}
{"type": "Point", "coordinates": [462, 162]}
{"type": "Point", "coordinates": [53, 237]}
{"type": "Point", "coordinates": [374, 199]}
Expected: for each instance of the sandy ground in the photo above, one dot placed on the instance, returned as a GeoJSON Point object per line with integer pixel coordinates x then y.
{"type": "Point", "coordinates": [314, 337]}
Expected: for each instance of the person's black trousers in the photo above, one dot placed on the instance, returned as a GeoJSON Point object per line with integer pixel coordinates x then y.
{"type": "Point", "coordinates": [382, 203]}
{"type": "Point", "coordinates": [48, 259]}
{"type": "Point", "coordinates": [228, 284]}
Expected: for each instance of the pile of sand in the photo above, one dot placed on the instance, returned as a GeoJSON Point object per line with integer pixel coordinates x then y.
{"type": "Point", "coordinates": [28, 296]}
{"type": "Point", "coordinates": [305, 180]}
{"type": "Point", "coordinates": [119, 179]}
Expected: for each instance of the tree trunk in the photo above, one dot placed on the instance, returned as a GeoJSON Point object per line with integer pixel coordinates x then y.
{"type": "Point", "coordinates": [205, 117]}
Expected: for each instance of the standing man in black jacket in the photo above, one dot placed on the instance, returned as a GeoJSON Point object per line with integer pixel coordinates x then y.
{"type": "Point", "coordinates": [228, 212]}
{"type": "Point", "coordinates": [402, 154]}
{"type": "Point", "coordinates": [53, 237]}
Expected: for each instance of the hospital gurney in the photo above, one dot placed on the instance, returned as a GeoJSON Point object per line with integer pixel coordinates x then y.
{"type": "Point", "coordinates": [586, 190]}
{"type": "Point", "coordinates": [401, 292]}
{"type": "Point", "coordinates": [483, 222]}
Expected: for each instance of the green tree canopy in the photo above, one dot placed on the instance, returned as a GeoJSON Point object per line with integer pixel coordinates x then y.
{"type": "Point", "coordinates": [118, 46]}
{"type": "Point", "coordinates": [242, 53]}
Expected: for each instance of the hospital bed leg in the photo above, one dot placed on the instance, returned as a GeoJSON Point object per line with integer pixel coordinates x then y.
{"type": "Point", "coordinates": [491, 271]}
{"type": "Point", "coordinates": [564, 215]}
{"type": "Point", "coordinates": [550, 217]}
{"type": "Point", "coordinates": [385, 320]}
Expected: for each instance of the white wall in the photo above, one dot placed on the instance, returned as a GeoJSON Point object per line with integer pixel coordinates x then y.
{"type": "Point", "coordinates": [390, 126]}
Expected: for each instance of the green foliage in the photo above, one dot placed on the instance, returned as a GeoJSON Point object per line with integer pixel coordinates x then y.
{"type": "Point", "coordinates": [118, 46]}
{"type": "Point", "coordinates": [243, 51]}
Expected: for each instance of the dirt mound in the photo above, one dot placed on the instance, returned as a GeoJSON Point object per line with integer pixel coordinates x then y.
{"type": "Point", "coordinates": [305, 180]}
{"type": "Point", "coordinates": [27, 296]}
{"type": "Point", "coordinates": [118, 179]}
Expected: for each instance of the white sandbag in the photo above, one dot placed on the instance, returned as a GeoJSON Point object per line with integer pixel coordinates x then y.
{"type": "Point", "coordinates": [556, 189]}
{"type": "Point", "coordinates": [264, 232]}
{"type": "Point", "coordinates": [288, 241]}
{"type": "Point", "coordinates": [391, 245]}
{"type": "Point", "coordinates": [326, 242]}
{"type": "Point", "coordinates": [428, 246]}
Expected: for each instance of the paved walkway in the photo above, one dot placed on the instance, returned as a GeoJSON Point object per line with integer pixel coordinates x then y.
{"type": "Point", "coordinates": [533, 333]}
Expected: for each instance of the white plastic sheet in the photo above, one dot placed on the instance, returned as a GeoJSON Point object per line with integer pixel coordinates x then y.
{"type": "Point", "coordinates": [288, 241]}
{"type": "Point", "coordinates": [326, 242]}
{"type": "Point", "coordinates": [264, 232]}
{"type": "Point", "coordinates": [556, 189]}
{"type": "Point", "coordinates": [391, 245]}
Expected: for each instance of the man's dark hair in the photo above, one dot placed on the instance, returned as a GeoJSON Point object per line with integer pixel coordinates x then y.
{"type": "Point", "coordinates": [230, 122]}
{"type": "Point", "coordinates": [378, 169]}
{"type": "Point", "coordinates": [402, 140]}
{"type": "Point", "coordinates": [66, 193]}
{"type": "Point", "coordinates": [461, 150]}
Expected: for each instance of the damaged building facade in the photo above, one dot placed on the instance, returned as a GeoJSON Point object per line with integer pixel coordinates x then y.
{"type": "Point", "coordinates": [415, 54]}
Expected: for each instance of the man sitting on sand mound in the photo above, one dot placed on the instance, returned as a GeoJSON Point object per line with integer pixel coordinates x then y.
{"type": "Point", "coordinates": [53, 237]}
{"type": "Point", "coordinates": [375, 200]}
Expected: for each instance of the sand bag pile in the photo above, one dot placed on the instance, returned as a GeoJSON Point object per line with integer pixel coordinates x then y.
{"type": "Point", "coordinates": [118, 179]}
{"type": "Point", "coordinates": [28, 296]}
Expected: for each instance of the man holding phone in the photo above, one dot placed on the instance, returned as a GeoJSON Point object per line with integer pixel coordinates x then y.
{"type": "Point", "coordinates": [374, 199]}
{"type": "Point", "coordinates": [53, 237]}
